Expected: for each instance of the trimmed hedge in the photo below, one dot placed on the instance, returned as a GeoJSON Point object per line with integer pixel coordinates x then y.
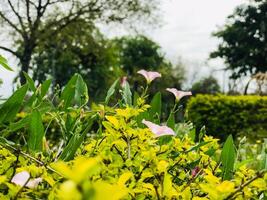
{"type": "Point", "coordinates": [224, 115]}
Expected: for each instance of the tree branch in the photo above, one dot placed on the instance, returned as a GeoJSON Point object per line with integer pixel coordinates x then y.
{"type": "Point", "coordinates": [10, 51]}
{"type": "Point", "coordinates": [17, 14]}
{"type": "Point", "coordinates": [11, 24]}
{"type": "Point", "coordinates": [27, 2]}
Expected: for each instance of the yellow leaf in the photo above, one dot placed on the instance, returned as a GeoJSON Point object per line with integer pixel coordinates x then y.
{"type": "Point", "coordinates": [68, 191]}
{"type": "Point", "coordinates": [124, 178]}
{"type": "Point", "coordinates": [162, 166]}
{"type": "Point", "coordinates": [114, 121]}
{"type": "Point", "coordinates": [105, 191]}
{"type": "Point", "coordinates": [167, 184]}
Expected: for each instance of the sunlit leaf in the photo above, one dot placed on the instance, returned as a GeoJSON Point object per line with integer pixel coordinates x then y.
{"type": "Point", "coordinates": [228, 157]}
{"type": "Point", "coordinates": [12, 106]}
{"type": "Point", "coordinates": [36, 132]}
{"type": "Point", "coordinates": [111, 91]}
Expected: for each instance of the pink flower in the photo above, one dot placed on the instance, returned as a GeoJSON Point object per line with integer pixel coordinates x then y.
{"type": "Point", "coordinates": [149, 75]}
{"type": "Point", "coordinates": [123, 81]}
{"type": "Point", "coordinates": [22, 179]}
{"type": "Point", "coordinates": [178, 94]}
{"type": "Point", "coordinates": [195, 171]}
{"type": "Point", "coordinates": [158, 130]}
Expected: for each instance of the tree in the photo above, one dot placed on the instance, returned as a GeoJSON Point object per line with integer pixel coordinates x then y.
{"type": "Point", "coordinates": [31, 22]}
{"type": "Point", "coordinates": [208, 85]}
{"type": "Point", "coordinates": [78, 48]}
{"type": "Point", "coordinates": [244, 40]}
{"type": "Point", "coordinates": [140, 52]}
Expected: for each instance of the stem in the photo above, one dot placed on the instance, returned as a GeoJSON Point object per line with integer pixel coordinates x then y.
{"type": "Point", "coordinates": [145, 91]}
{"type": "Point", "coordinates": [258, 175]}
{"type": "Point", "coordinates": [11, 148]}
{"type": "Point", "coordinates": [129, 147]}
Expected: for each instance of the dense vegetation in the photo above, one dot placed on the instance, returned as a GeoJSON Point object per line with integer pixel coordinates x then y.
{"type": "Point", "coordinates": [224, 115]}
{"type": "Point", "coordinates": [243, 40]}
{"type": "Point", "coordinates": [114, 151]}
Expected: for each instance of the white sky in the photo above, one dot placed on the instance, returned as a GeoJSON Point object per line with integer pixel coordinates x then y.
{"type": "Point", "coordinates": [186, 32]}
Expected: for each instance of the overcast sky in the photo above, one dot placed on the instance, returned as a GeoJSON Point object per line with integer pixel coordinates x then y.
{"type": "Point", "coordinates": [186, 32]}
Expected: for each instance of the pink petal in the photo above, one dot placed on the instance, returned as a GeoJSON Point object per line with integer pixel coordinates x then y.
{"type": "Point", "coordinates": [149, 75]}
{"type": "Point", "coordinates": [34, 183]}
{"type": "Point", "coordinates": [20, 178]}
{"type": "Point", "coordinates": [158, 130]}
{"type": "Point", "coordinates": [153, 75]}
{"type": "Point", "coordinates": [123, 81]}
{"type": "Point", "coordinates": [144, 73]}
{"type": "Point", "coordinates": [178, 94]}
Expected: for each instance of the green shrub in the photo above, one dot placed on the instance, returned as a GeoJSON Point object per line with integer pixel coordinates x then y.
{"type": "Point", "coordinates": [120, 151]}
{"type": "Point", "coordinates": [224, 115]}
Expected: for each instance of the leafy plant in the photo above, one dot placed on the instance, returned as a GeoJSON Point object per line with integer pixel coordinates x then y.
{"type": "Point", "coordinates": [101, 152]}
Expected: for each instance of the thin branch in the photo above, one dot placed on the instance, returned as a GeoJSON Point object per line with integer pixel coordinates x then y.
{"type": "Point", "coordinates": [28, 12]}
{"type": "Point", "coordinates": [17, 14]}
{"type": "Point", "coordinates": [10, 51]}
{"type": "Point", "coordinates": [11, 148]}
{"type": "Point", "coordinates": [11, 24]}
{"type": "Point", "coordinates": [258, 175]}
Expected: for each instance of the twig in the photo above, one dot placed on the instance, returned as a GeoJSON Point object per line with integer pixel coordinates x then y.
{"type": "Point", "coordinates": [258, 175]}
{"type": "Point", "coordinates": [9, 147]}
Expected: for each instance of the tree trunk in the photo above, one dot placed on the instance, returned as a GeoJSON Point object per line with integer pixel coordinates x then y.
{"type": "Point", "coordinates": [25, 63]}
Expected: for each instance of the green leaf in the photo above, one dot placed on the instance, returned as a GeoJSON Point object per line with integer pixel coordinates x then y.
{"type": "Point", "coordinates": [127, 94]}
{"type": "Point", "coordinates": [19, 124]}
{"type": "Point", "coordinates": [45, 87]}
{"type": "Point", "coordinates": [155, 109]}
{"type": "Point", "coordinates": [36, 132]}
{"type": "Point", "coordinates": [69, 92]}
{"type": "Point", "coordinates": [111, 91]}
{"type": "Point", "coordinates": [165, 139]}
{"type": "Point", "coordinates": [12, 106]}
{"type": "Point", "coordinates": [30, 82]}
{"type": "Point", "coordinates": [202, 133]}
{"type": "Point", "coordinates": [264, 155]}
{"type": "Point", "coordinates": [171, 121]}
{"type": "Point", "coordinates": [228, 157]}
{"type": "Point", "coordinates": [136, 96]}
{"type": "Point", "coordinates": [75, 92]}
{"type": "Point", "coordinates": [3, 62]}
{"type": "Point", "coordinates": [192, 134]}
{"type": "Point", "coordinates": [196, 147]}
{"type": "Point", "coordinates": [75, 142]}
{"type": "Point", "coordinates": [81, 92]}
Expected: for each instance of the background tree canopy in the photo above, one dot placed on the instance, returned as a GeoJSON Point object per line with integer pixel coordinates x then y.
{"type": "Point", "coordinates": [244, 40]}
{"type": "Point", "coordinates": [140, 52]}
{"type": "Point", "coordinates": [79, 48]}
{"type": "Point", "coordinates": [29, 23]}
{"type": "Point", "coordinates": [208, 85]}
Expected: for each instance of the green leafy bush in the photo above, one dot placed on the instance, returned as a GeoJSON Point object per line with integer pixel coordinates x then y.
{"type": "Point", "coordinates": [224, 115]}
{"type": "Point", "coordinates": [120, 151]}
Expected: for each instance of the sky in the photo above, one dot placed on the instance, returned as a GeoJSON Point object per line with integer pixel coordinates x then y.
{"type": "Point", "coordinates": [185, 33]}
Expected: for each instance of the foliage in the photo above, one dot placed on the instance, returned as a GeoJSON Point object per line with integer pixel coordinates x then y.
{"type": "Point", "coordinates": [3, 63]}
{"type": "Point", "coordinates": [104, 152]}
{"type": "Point", "coordinates": [243, 37]}
{"type": "Point", "coordinates": [137, 53]}
{"type": "Point", "coordinates": [140, 52]}
{"type": "Point", "coordinates": [79, 48]}
{"type": "Point", "coordinates": [208, 85]}
{"type": "Point", "coordinates": [224, 115]}
{"type": "Point", "coordinates": [28, 23]}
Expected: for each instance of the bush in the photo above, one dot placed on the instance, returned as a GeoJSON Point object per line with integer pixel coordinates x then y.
{"type": "Point", "coordinates": [224, 115]}
{"type": "Point", "coordinates": [104, 151]}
